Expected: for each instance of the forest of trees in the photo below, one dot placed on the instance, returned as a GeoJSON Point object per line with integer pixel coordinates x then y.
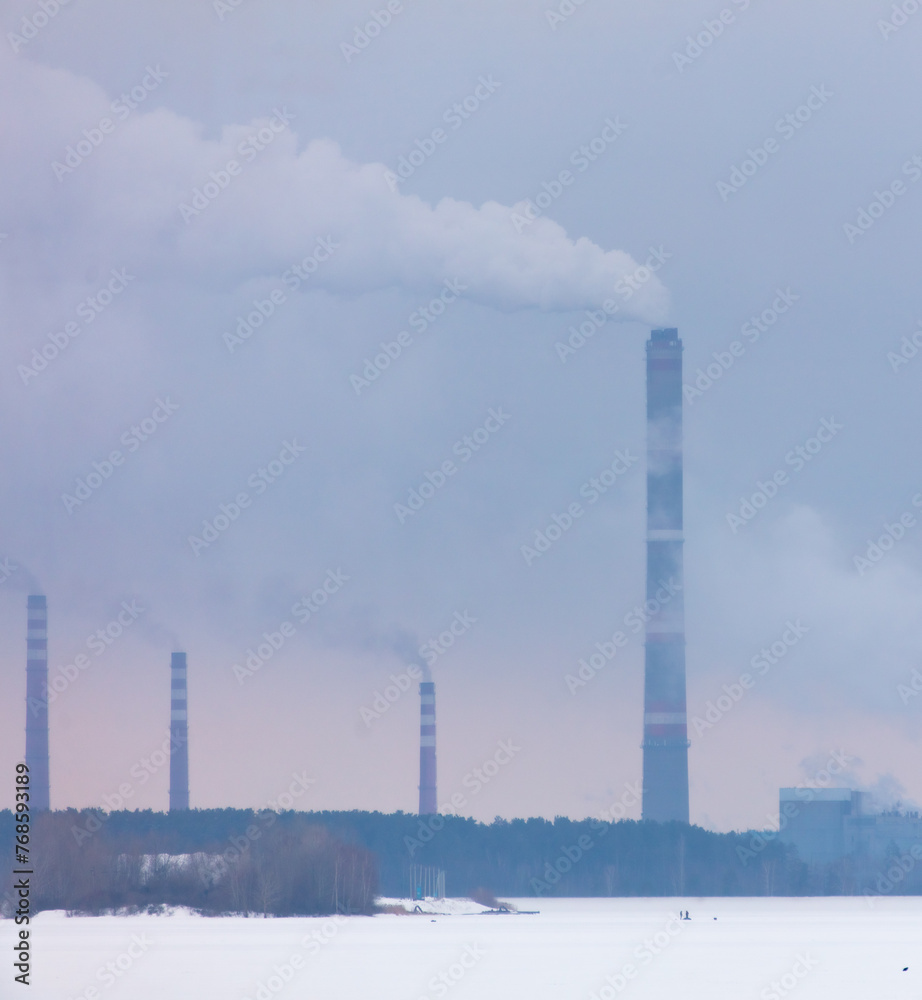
{"type": "Point", "coordinates": [231, 860]}
{"type": "Point", "coordinates": [217, 861]}
{"type": "Point", "coordinates": [563, 857]}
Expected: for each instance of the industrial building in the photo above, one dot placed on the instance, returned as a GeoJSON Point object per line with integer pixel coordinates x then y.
{"type": "Point", "coordinates": [826, 824]}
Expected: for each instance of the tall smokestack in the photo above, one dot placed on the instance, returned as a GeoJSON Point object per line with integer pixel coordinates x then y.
{"type": "Point", "coordinates": [37, 702]}
{"type": "Point", "coordinates": [427, 794]}
{"type": "Point", "coordinates": [179, 735]}
{"type": "Point", "coordinates": [665, 734]}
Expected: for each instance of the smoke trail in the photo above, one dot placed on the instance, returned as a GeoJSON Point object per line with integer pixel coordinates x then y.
{"type": "Point", "coordinates": [161, 195]}
{"type": "Point", "coordinates": [159, 635]}
{"type": "Point", "coordinates": [356, 629]}
{"type": "Point", "coordinates": [406, 645]}
{"type": "Point", "coordinates": [17, 577]}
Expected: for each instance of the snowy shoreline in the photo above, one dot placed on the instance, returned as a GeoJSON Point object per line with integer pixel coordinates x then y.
{"type": "Point", "coordinates": [825, 946]}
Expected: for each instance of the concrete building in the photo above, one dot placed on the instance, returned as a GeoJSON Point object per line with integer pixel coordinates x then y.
{"type": "Point", "coordinates": [813, 820]}
{"type": "Point", "coordinates": [826, 824]}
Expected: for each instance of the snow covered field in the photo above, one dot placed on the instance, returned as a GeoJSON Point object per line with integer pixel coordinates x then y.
{"type": "Point", "coordinates": [838, 948]}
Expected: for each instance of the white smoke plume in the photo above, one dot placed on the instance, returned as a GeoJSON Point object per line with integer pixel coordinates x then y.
{"type": "Point", "coordinates": [155, 194]}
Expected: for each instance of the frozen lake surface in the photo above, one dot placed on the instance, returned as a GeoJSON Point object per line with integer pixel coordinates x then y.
{"type": "Point", "coordinates": [838, 948]}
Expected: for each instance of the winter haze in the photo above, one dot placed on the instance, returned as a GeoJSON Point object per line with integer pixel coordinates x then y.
{"type": "Point", "coordinates": [226, 279]}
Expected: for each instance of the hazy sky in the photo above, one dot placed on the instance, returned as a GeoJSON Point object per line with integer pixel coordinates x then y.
{"type": "Point", "coordinates": [284, 258]}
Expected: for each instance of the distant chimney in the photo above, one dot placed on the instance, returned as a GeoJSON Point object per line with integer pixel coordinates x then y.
{"type": "Point", "coordinates": [665, 731]}
{"type": "Point", "coordinates": [179, 735]}
{"type": "Point", "coordinates": [37, 702]}
{"type": "Point", "coordinates": [427, 794]}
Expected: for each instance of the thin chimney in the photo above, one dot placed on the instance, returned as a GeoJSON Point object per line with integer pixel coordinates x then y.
{"type": "Point", "coordinates": [37, 702]}
{"type": "Point", "coordinates": [427, 792]}
{"type": "Point", "coordinates": [179, 734]}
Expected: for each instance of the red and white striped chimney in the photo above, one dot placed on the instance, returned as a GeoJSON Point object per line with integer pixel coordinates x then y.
{"type": "Point", "coordinates": [179, 734]}
{"type": "Point", "coordinates": [665, 729]}
{"type": "Point", "coordinates": [37, 701]}
{"type": "Point", "coordinates": [428, 805]}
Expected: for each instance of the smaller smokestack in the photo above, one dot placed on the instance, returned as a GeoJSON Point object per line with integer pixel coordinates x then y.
{"type": "Point", "coordinates": [179, 735]}
{"type": "Point", "coordinates": [37, 702]}
{"type": "Point", "coordinates": [427, 792]}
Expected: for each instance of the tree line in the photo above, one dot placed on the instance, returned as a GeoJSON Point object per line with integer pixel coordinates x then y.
{"type": "Point", "coordinates": [215, 861]}
{"type": "Point", "coordinates": [292, 863]}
